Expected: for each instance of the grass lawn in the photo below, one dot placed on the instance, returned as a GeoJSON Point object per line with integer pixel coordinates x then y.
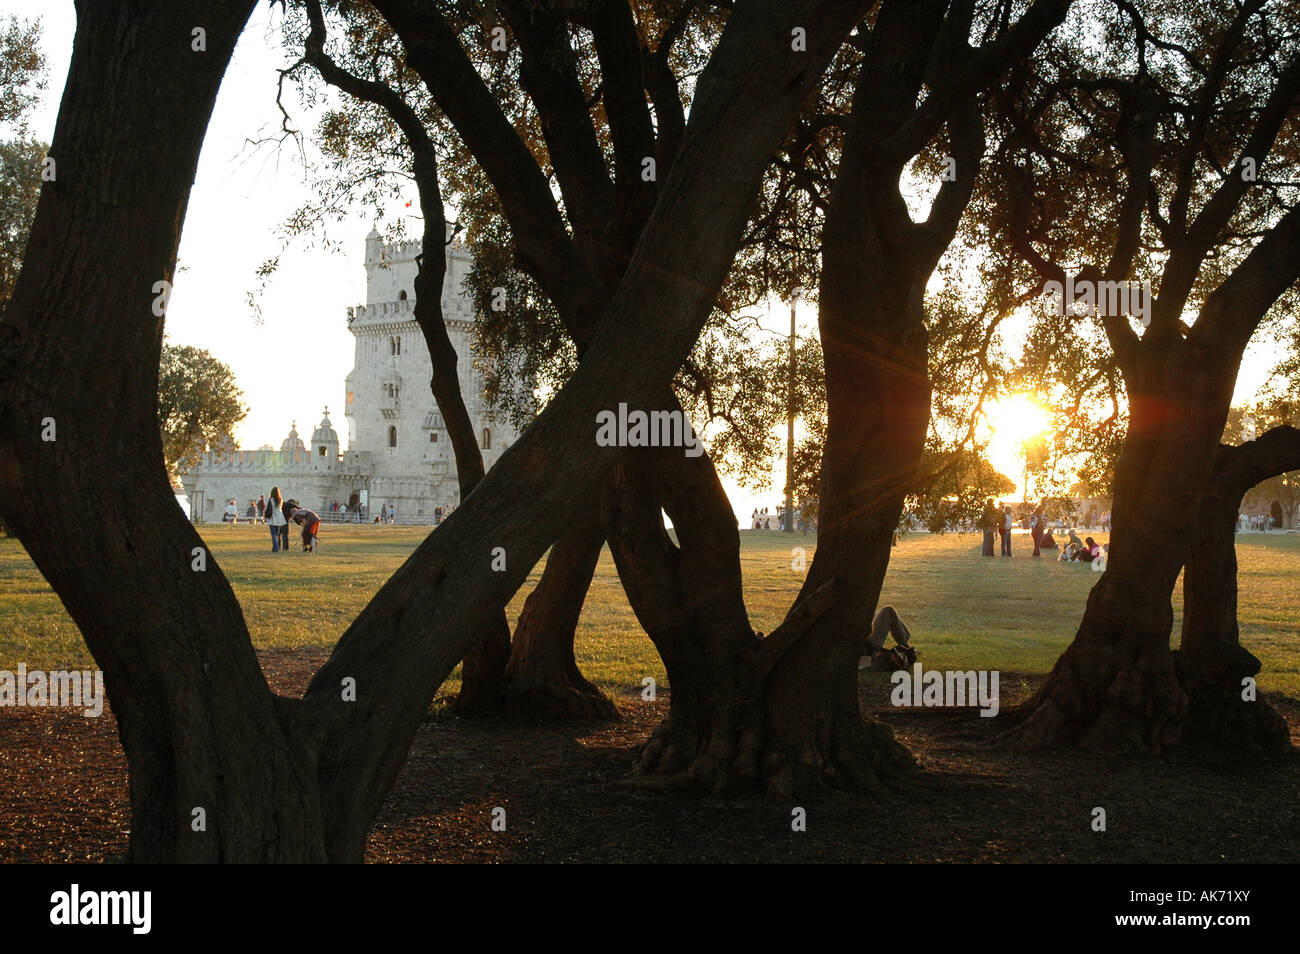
{"type": "Point", "coordinates": [965, 611]}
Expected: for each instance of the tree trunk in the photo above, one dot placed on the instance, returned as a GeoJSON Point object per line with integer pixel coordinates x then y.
{"type": "Point", "coordinates": [878, 397]}
{"type": "Point", "coordinates": [1213, 666]}
{"type": "Point", "coordinates": [482, 683]}
{"type": "Point", "coordinates": [214, 776]}
{"type": "Point", "coordinates": [688, 597]}
{"type": "Point", "coordinates": [1116, 688]}
{"type": "Point", "coordinates": [542, 676]}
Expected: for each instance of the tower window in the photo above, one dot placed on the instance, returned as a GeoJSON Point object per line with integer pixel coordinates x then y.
{"type": "Point", "coordinates": [487, 439]}
{"type": "Point", "coordinates": [392, 437]}
{"type": "Point", "coordinates": [401, 296]}
{"type": "Point", "coordinates": [322, 450]}
{"type": "Point", "coordinates": [433, 437]}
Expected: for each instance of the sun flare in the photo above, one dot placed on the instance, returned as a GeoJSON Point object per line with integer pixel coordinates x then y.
{"type": "Point", "coordinates": [1009, 424]}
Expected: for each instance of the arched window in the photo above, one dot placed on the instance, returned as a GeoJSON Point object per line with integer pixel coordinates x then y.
{"type": "Point", "coordinates": [487, 439]}
{"type": "Point", "coordinates": [392, 437]}
{"type": "Point", "coordinates": [398, 339]}
{"type": "Point", "coordinates": [401, 296]}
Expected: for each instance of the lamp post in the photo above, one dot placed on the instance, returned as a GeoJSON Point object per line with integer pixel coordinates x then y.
{"type": "Point", "coordinates": [787, 524]}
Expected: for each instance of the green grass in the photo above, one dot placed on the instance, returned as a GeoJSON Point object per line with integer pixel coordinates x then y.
{"type": "Point", "coordinates": [965, 611]}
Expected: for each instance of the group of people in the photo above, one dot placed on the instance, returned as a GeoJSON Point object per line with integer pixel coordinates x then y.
{"type": "Point", "coordinates": [1259, 522]}
{"type": "Point", "coordinates": [998, 519]}
{"type": "Point", "coordinates": [342, 513]}
{"type": "Point", "coordinates": [1083, 551]}
{"type": "Point", "coordinates": [1092, 520]}
{"type": "Point", "coordinates": [267, 512]}
{"type": "Point", "coordinates": [762, 520]}
{"type": "Point", "coordinates": [278, 513]}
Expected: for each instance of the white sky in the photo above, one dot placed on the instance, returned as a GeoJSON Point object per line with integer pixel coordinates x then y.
{"type": "Point", "coordinates": [242, 194]}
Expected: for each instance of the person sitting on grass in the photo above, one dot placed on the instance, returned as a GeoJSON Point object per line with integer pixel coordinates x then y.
{"type": "Point", "coordinates": [1049, 541]}
{"type": "Point", "coordinates": [1088, 552]}
{"type": "Point", "coordinates": [902, 654]}
{"type": "Point", "coordinates": [1070, 551]}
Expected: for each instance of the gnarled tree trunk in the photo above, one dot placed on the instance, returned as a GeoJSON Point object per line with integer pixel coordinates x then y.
{"type": "Point", "coordinates": [1213, 666]}
{"type": "Point", "coordinates": [214, 774]}
{"type": "Point", "coordinates": [483, 674]}
{"type": "Point", "coordinates": [688, 597]}
{"type": "Point", "coordinates": [1116, 688]}
{"type": "Point", "coordinates": [879, 404]}
{"type": "Point", "coordinates": [542, 675]}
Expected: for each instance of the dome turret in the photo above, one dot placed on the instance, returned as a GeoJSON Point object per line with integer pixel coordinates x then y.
{"type": "Point", "coordinates": [293, 442]}
{"type": "Point", "coordinates": [324, 445]}
{"type": "Point", "coordinates": [325, 433]}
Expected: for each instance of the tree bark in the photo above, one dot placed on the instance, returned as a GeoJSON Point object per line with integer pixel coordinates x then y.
{"type": "Point", "coordinates": [542, 675]}
{"type": "Point", "coordinates": [879, 406]}
{"type": "Point", "coordinates": [689, 599]}
{"type": "Point", "coordinates": [79, 352]}
{"type": "Point", "coordinates": [1213, 667]}
{"type": "Point", "coordinates": [875, 349]}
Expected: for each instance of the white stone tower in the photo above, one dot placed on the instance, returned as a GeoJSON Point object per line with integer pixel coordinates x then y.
{"type": "Point", "coordinates": [393, 421]}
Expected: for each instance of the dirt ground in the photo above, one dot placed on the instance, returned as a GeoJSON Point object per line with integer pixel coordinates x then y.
{"type": "Point", "coordinates": [63, 796]}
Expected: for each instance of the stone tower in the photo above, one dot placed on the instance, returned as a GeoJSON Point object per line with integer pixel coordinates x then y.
{"type": "Point", "coordinates": [393, 421]}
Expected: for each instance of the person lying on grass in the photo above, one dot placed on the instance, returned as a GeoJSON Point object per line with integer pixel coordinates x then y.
{"type": "Point", "coordinates": [901, 655]}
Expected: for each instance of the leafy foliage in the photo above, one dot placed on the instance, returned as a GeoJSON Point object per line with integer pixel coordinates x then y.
{"type": "Point", "coordinates": [22, 68]}
{"type": "Point", "coordinates": [22, 77]}
{"type": "Point", "coordinates": [199, 405]}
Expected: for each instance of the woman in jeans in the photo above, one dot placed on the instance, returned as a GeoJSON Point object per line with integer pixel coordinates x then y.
{"type": "Point", "coordinates": [276, 522]}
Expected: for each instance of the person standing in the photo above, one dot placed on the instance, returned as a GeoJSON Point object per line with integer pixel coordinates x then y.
{"type": "Point", "coordinates": [1036, 525]}
{"type": "Point", "coordinates": [261, 508]}
{"type": "Point", "coordinates": [988, 523]}
{"type": "Point", "coordinates": [276, 521]}
{"type": "Point", "coordinates": [1005, 529]}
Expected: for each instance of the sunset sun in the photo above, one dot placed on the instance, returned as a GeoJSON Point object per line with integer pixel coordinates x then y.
{"type": "Point", "coordinates": [1010, 423]}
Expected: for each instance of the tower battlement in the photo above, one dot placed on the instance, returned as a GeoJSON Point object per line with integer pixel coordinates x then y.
{"type": "Point", "coordinates": [391, 268]}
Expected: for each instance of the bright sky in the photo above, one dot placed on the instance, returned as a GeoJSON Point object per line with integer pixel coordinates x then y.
{"type": "Point", "coordinates": [242, 194]}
